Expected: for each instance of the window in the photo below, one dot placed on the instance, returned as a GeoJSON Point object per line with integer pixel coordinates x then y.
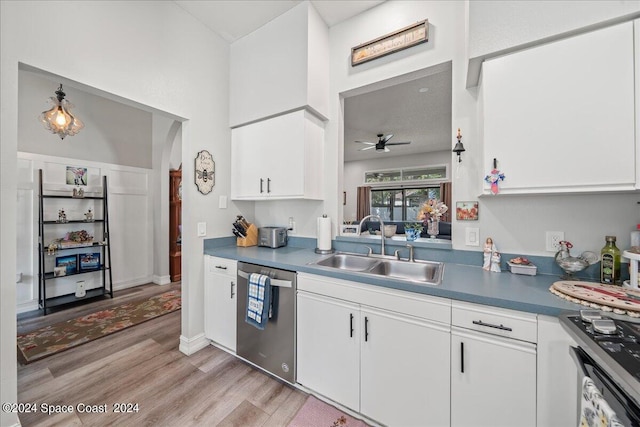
{"type": "Point", "coordinates": [401, 204]}
{"type": "Point", "coordinates": [425, 173]}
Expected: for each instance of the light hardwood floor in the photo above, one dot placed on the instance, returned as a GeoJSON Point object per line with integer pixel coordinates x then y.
{"type": "Point", "coordinates": [142, 365]}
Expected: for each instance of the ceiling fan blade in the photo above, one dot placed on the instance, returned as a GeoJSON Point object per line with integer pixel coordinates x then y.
{"type": "Point", "coordinates": [386, 138]}
{"type": "Point", "coordinates": [366, 142]}
{"type": "Point", "coordinates": [367, 148]}
{"type": "Point", "coordinates": [399, 143]}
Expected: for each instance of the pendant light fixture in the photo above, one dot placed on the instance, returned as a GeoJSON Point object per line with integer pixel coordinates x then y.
{"type": "Point", "coordinates": [59, 119]}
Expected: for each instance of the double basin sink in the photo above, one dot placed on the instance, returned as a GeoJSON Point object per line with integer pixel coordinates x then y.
{"type": "Point", "coordinates": [424, 272]}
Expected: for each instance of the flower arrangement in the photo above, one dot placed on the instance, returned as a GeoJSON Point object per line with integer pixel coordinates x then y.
{"type": "Point", "coordinates": [433, 209]}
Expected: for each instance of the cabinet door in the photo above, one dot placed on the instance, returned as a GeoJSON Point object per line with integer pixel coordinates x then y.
{"type": "Point", "coordinates": [220, 306]}
{"type": "Point", "coordinates": [404, 370]}
{"type": "Point", "coordinates": [560, 117]}
{"type": "Point", "coordinates": [328, 340]}
{"type": "Point", "coordinates": [493, 381]}
{"type": "Point", "coordinates": [277, 158]}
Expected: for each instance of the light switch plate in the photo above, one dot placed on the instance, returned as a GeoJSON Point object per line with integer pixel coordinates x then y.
{"type": "Point", "coordinates": [222, 202]}
{"type": "Point", "coordinates": [202, 229]}
{"type": "Point", "coordinates": [472, 236]}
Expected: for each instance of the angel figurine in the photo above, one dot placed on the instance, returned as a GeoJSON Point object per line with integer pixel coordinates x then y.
{"type": "Point", "coordinates": [491, 256]}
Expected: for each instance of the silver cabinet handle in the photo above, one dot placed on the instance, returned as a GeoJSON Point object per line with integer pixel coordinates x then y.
{"type": "Point", "coordinates": [489, 325]}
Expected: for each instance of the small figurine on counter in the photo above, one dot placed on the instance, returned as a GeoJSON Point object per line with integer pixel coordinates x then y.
{"type": "Point", "coordinates": [78, 193]}
{"type": "Point", "coordinates": [491, 256]}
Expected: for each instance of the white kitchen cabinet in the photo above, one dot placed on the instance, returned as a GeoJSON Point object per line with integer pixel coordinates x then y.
{"type": "Point", "coordinates": [391, 367]}
{"type": "Point", "coordinates": [278, 158]}
{"type": "Point", "coordinates": [220, 288]}
{"type": "Point", "coordinates": [493, 371]}
{"type": "Point", "coordinates": [560, 117]}
{"type": "Point", "coordinates": [328, 348]}
{"type": "Point", "coordinates": [266, 81]}
{"type": "Point", "coordinates": [404, 369]}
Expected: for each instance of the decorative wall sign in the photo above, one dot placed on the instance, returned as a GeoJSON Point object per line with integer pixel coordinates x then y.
{"type": "Point", "coordinates": [205, 170]}
{"type": "Point", "coordinates": [393, 42]}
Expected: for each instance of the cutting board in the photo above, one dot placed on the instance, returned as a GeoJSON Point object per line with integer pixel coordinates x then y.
{"type": "Point", "coordinates": [599, 296]}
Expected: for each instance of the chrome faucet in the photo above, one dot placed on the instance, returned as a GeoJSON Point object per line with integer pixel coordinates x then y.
{"type": "Point", "coordinates": [411, 259]}
{"type": "Point", "coordinates": [381, 230]}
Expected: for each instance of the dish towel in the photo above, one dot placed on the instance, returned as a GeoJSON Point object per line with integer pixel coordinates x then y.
{"type": "Point", "coordinates": [595, 411]}
{"type": "Point", "coordinates": [258, 300]}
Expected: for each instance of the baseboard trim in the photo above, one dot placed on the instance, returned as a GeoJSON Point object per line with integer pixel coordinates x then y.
{"type": "Point", "coordinates": [162, 280]}
{"type": "Point", "coordinates": [190, 346]}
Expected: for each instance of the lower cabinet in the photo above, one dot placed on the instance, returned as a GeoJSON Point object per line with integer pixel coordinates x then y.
{"type": "Point", "coordinates": [404, 370]}
{"type": "Point", "coordinates": [220, 289]}
{"type": "Point", "coordinates": [390, 367]}
{"type": "Point", "coordinates": [493, 367]}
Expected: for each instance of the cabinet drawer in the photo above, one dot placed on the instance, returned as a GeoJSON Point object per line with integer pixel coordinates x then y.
{"type": "Point", "coordinates": [224, 266]}
{"type": "Point", "coordinates": [496, 321]}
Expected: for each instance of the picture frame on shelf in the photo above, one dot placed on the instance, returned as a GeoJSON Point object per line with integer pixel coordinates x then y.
{"type": "Point", "coordinates": [89, 261]}
{"type": "Point", "coordinates": [59, 271]}
{"type": "Point", "coordinates": [69, 262]}
{"type": "Point", "coordinates": [76, 176]}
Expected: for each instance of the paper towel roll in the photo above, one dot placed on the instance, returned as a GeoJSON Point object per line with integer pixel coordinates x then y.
{"type": "Point", "coordinates": [324, 233]}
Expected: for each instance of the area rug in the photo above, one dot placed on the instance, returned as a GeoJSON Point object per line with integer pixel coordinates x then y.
{"type": "Point", "coordinates": [62, 336]}
{"type": "Point", "coordinates": [316, 413]}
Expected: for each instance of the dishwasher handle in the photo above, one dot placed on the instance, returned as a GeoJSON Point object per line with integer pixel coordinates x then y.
{"type": "Point", "coordinates": [274, 282]}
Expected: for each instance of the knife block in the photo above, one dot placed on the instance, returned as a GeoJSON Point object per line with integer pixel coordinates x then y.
{"type": "Point", "coordinates": [251, 239]}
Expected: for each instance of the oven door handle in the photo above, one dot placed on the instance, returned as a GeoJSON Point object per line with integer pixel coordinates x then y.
{"type": "Point", "coordinates": [274, 282]}
{"type": "Point", "coordinates": [577, 356]}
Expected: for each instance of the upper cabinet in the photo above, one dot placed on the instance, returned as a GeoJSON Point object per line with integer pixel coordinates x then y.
{"type": "Point", "coordinates": [560, 117]}
{"type": "Point", "coordinates": [278, 158]}
{"type": "Point", "coordinates": [282, 66]}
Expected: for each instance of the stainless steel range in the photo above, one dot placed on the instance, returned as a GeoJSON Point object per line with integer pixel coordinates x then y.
{"type": "Point", "coordinates": [609, 353]}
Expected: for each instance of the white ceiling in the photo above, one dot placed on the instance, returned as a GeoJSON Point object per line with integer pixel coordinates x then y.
{"type": "Point", "coordinates": [233, 19]}
{"type": "Point", "coordinates": [404, 110]}
{"type": "Point", "coordinates": [424, 118]}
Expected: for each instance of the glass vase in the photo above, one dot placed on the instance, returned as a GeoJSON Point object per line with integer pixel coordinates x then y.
{"type": "Point", "coordinates": [433, 228]}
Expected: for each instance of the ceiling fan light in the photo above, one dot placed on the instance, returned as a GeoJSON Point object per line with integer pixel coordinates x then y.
{"type": "Point", "coordinates": [58, 119]}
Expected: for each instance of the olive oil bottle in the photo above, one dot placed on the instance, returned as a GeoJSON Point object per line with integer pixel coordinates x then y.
{"type": "Point", "coordinates": [610, 262]}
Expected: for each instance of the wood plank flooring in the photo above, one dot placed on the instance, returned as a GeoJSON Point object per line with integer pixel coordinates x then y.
{"type": "Point", "coordinates": [142, 365]}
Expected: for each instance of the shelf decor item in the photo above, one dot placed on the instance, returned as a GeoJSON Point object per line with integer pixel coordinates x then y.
{"type": "Point", "coordinates": [412, 231]}
{"type": "Point", "coordinates": [89, 261]}
{"type": "Point", "coordinates": [69, 262]}
{"type": "Point", "coordinates": [494, 177]}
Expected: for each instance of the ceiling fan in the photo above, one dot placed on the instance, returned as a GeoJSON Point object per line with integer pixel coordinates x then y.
{"type": "Point", "coordinates": [381, 145]}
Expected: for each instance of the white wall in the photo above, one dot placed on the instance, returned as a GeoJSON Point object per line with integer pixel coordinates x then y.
{"type": "Point", "coordinates": [148, 52]}
{"type": "Point", "coordinates": [114, 132]}
{"type": "Point", "coordinates": [354, 172]}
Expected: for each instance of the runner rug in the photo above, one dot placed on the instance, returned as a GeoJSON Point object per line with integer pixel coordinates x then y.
{"type": "Point", "coordinates": [62, 336]}
{"type": "Point", "coordinates": [315, 412]}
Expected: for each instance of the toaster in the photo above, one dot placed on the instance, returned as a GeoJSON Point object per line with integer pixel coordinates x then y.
{"type": "Point", "coordinates": [272, 237]}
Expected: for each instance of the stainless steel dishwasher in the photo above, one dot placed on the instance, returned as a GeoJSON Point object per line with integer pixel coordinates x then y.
{"type": "Point", "coordinates": [272, 349]}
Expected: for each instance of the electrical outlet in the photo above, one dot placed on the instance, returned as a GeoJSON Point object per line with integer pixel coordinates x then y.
{"type": "Point", "coordinates": [553, 240]}
{"type": "Point", "coordinates": [472, 236]}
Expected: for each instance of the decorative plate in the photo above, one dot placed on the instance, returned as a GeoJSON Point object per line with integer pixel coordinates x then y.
{"type": "Point", "coordinates": [599, 296]}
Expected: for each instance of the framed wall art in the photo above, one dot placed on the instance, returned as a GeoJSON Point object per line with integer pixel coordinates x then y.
{"type": "Point", "coordinates": [467, 211]}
